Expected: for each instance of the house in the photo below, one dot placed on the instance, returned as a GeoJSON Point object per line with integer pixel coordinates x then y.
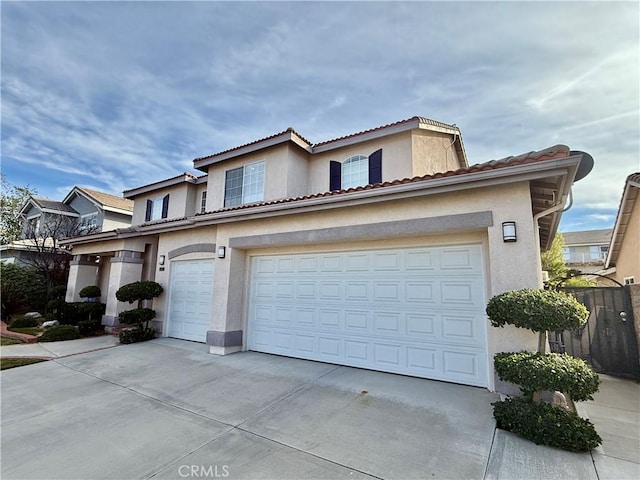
{"type": "Point", "coordinates": [378, 249]}
{"type": "Point", "coordinates": [586, 250]}
{"type": "Point", "coordinates": [622, 263]}
{"type": "Point", "coordinates": [82, 211]}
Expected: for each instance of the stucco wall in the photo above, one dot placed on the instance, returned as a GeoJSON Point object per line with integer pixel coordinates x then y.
{"type": "Point", "coordinates": [114, 220]}
{"type": "Point", "coordinates": [628, 263]}
{"type": "Point", "coordinates": [181, 202]}
{"type": "Point", "coordinates": [396, 159]}
{"type": "Point", "coordinates": [433, 152]}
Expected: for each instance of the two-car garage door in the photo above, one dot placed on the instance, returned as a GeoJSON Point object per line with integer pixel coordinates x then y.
{"type": "Point", "coordinates": [414, 311]}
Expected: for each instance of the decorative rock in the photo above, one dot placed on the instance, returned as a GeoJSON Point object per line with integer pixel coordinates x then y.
{"type": "Point", "coordinates": [50, 323]}
{"type": "Point", "coordinates": [32, 315]}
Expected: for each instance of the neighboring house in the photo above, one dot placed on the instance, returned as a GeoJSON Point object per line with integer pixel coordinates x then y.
{"type": "Point", "coordinates": [82, 211]}
{"type": "Point", "coordinates": [379, 249]}
{"type": "Point", "coordinates": [586, 250]}
{"type": "Point", "coordinates": [623, 259]}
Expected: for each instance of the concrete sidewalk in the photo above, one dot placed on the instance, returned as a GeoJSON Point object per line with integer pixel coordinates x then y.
{"type": "Point", "coordinates": [59, 349]}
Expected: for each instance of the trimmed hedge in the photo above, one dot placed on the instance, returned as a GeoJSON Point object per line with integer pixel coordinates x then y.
{"type": "Point", "coordinates": [534, 371]}
{"type": "Point", "coordinates": [90, 291]}
{"type": "Point", "coordinates": [134, 335]}
{"type": "Point", "coordinates": [546, 424]}
{"type": "Point", "coordinates": [24, 322]}
{"type": "Point", "coordinates": [58, 333]}
{"type": "Point", "coordinates": [136, 316]}
{"type": "Point", "coordinates": [89, 327]}
{"type": "Point", "coordinates": [537, 310]}
{"type": "Point", "coordinates": [132, 292]}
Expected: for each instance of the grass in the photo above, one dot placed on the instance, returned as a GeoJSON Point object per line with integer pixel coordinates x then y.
{"type": "Point", "coordinates": [6, 363]}
{"type": "Point", "coordinates": [9, 341]}
{"type": "Point", "coordinates": [35, 331]}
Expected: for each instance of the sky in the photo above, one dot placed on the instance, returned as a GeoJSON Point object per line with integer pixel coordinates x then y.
{"type": "Point", "coordinates": [115, 95]}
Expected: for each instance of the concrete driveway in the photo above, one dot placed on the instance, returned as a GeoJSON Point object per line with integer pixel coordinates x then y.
{"type": "Point", "coordinates": [168, 409]}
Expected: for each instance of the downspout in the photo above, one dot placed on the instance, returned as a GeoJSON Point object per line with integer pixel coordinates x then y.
{"type": "Point", "coordinates": [542, 336]}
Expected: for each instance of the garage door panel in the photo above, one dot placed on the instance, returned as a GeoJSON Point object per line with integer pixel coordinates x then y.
{"type": "Point", "coordinates": [416, 311]}
{"type": "Point", "coordinates": [190, 296]}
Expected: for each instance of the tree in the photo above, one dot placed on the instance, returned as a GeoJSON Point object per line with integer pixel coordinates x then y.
{"type": "Point", "coordinates": [12, 199]}
{"type": "Point", "coordinates": [22, 288]}
{"type": "Point", "coordinates": [46, 256]}
{"type": "Point", "coordinates": [559, 273]}
{"type": "Point", "coordinates": [140, 317]}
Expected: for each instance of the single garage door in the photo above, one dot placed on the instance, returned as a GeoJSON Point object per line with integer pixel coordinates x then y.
{"type": "Point", "coordinates": [414, 311]}
{"type": "Point", "coordinates": [190, 293]}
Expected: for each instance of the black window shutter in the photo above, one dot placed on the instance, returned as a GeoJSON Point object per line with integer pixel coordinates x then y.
{"type": "Point", "coordinates": [147, 216]}
{"type": "Point", "coordinates": [375, 167]}
{"type": "Point", "coordinates": [165, 206]}
{"type": "Point", "coordinates": [335, 175]}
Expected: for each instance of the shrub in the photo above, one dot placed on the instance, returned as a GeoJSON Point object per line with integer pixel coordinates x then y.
{"type": "Point", "coordinates": [90, 291]}
{"type": "Point", "coordinates": [135, 291]}
{"type": "Point", "coordinates": [91, 310]}
{"type": "Point", "coordinates": [55, 307]}
{"type": "Point", "coordinates": [537, 310]}
{"type": "Point", "coordinates": [59, 291]}
{"type": "Point", "coordinates": [133, 335]}
{"type": "Point", "coordinates": [135, 316]}
{"type": "Point", "coordinates": [22, 289]}
{"type": "Point", "coordinates": [546, 424]}
{"type": "Point", "coordinates": [58, 333]}
{"type": "Point", "coordinates": [534, 371]}
{"type": "Point", "coordinates": [88, 327]}
{"type": "Point", "coordinates": [24, 322]}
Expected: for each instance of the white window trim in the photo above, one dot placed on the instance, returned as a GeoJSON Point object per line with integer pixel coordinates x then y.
{"type": "Point", "coordinates": [251, 192]}
{"type": "Point", "coordinates": [357, 178]}
{"type": "Point", "coordinates": [156, 209]}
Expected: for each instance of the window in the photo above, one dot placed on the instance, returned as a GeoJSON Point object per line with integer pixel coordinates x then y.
{"type": "Point", "coordinates": [203, 202]}
{"type": "Point", "coordinates": [356, 171]}
{"type": "Point", "coordinates": [244, 184]}
{"type": "Point", "coordinates": [157, 208]}
{"type": "Point", "coordinates": [629, 280]}
{"type": "Point", "coordinates": [89, 222]}
{"type": "Point", "coordinates": [566, 255]}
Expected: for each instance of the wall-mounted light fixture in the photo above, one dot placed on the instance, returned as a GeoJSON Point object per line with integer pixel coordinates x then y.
{"type": "Point", "coordinates": [509, 232]}
{"type": "Point", "coordinates": [161, 260]}
{"type": "Point", "coordinates": [222, 251]}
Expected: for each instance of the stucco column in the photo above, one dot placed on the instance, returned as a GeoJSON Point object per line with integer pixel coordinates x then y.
{"type": "Point", "coordinates": [83, 272]}
{"type": "Point", "coordinates": [226, 334]}
{"type": "Point", "coordinates": [126, 267]}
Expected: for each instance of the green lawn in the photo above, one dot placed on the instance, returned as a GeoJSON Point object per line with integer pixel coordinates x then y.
{"type": "Point", "coordinates": [6, 363]}
{"type": "Point", "coordinates": [35, 331]}
{"type": "Point", "coordinates": [9, 341]}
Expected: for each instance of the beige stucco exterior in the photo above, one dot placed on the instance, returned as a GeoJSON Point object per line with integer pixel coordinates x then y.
{"type": "Point", "coordinates": [451, 210]}
{"type": "Point", "coordinates": [628, 262]}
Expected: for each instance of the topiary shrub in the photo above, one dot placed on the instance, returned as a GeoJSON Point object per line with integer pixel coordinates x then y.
{"type": "Point", "coordinates": [90, 291]}
{"type": "Point", "coordinates": [540, 311]}
{"type": "Point", "coordinates": [140, 317]}
{"type": "Point", "coordinates": [537, 310]}
{"type": "Point", "coordinates": [133, 335]}
{"type": "Point", "coordinates": [546, 424]}
{"type": "Point", "coordinates": [534, 371]}
{"type": "Point", "coordinates": [89, 327]}
{"type": "Point", "coordinates": [24, 322]}
{"type": "Point", "coordinates": [58, 333]}
{"type": "Point", "coordinates": [135, 291]}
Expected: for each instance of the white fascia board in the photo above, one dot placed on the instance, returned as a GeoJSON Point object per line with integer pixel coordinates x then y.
{"type": "Point", "coordinates": [250, 148]}
{"type": "Point", "coordinates": [60, 212]}
{"type": "Point", "coordinates": [121, 211]}
{"type": "Point", "coordinates": [152, 187]}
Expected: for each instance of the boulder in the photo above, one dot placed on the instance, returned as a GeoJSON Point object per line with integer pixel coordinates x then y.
{"type": "Point", "coordinates": [32, 315]}
{"type": "Point", "coordinates": [50, 323]}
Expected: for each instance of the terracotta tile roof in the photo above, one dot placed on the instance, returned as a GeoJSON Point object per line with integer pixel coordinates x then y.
{"type": "Point", "coordinates": [422, 120]}
{"type": "Point", "coordinates": [108, 200]}
{"type": "Point", "coordinates": [52, 205]}
{"type": "Point", "coordinates": [557, 151]}
{"type": "Point", "coordinates": [288, 130]}
{"type": "Point", "coordinates": [188, 175]}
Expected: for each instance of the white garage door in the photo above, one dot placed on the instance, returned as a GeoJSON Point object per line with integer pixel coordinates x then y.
{"type": "Point", "coordinates": [414, 311]}
{"type": "Point", "coordinates": [190, 299]}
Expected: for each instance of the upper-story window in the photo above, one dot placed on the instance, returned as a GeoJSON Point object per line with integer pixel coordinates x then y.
{"type": "Point", "coordinates": [356, 171]}
{"type": "Point", "coordinates": [203, 202]}
{"type": "Point", "coordinates": [157, 208]}
{"type": "Point", "coordinates": [244, 184]}
{"type": "Point", "coordinates": [89, 222]}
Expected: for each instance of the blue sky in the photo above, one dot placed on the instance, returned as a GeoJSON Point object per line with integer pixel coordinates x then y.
{"type": "Point", "coordinates": [114, 95]}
